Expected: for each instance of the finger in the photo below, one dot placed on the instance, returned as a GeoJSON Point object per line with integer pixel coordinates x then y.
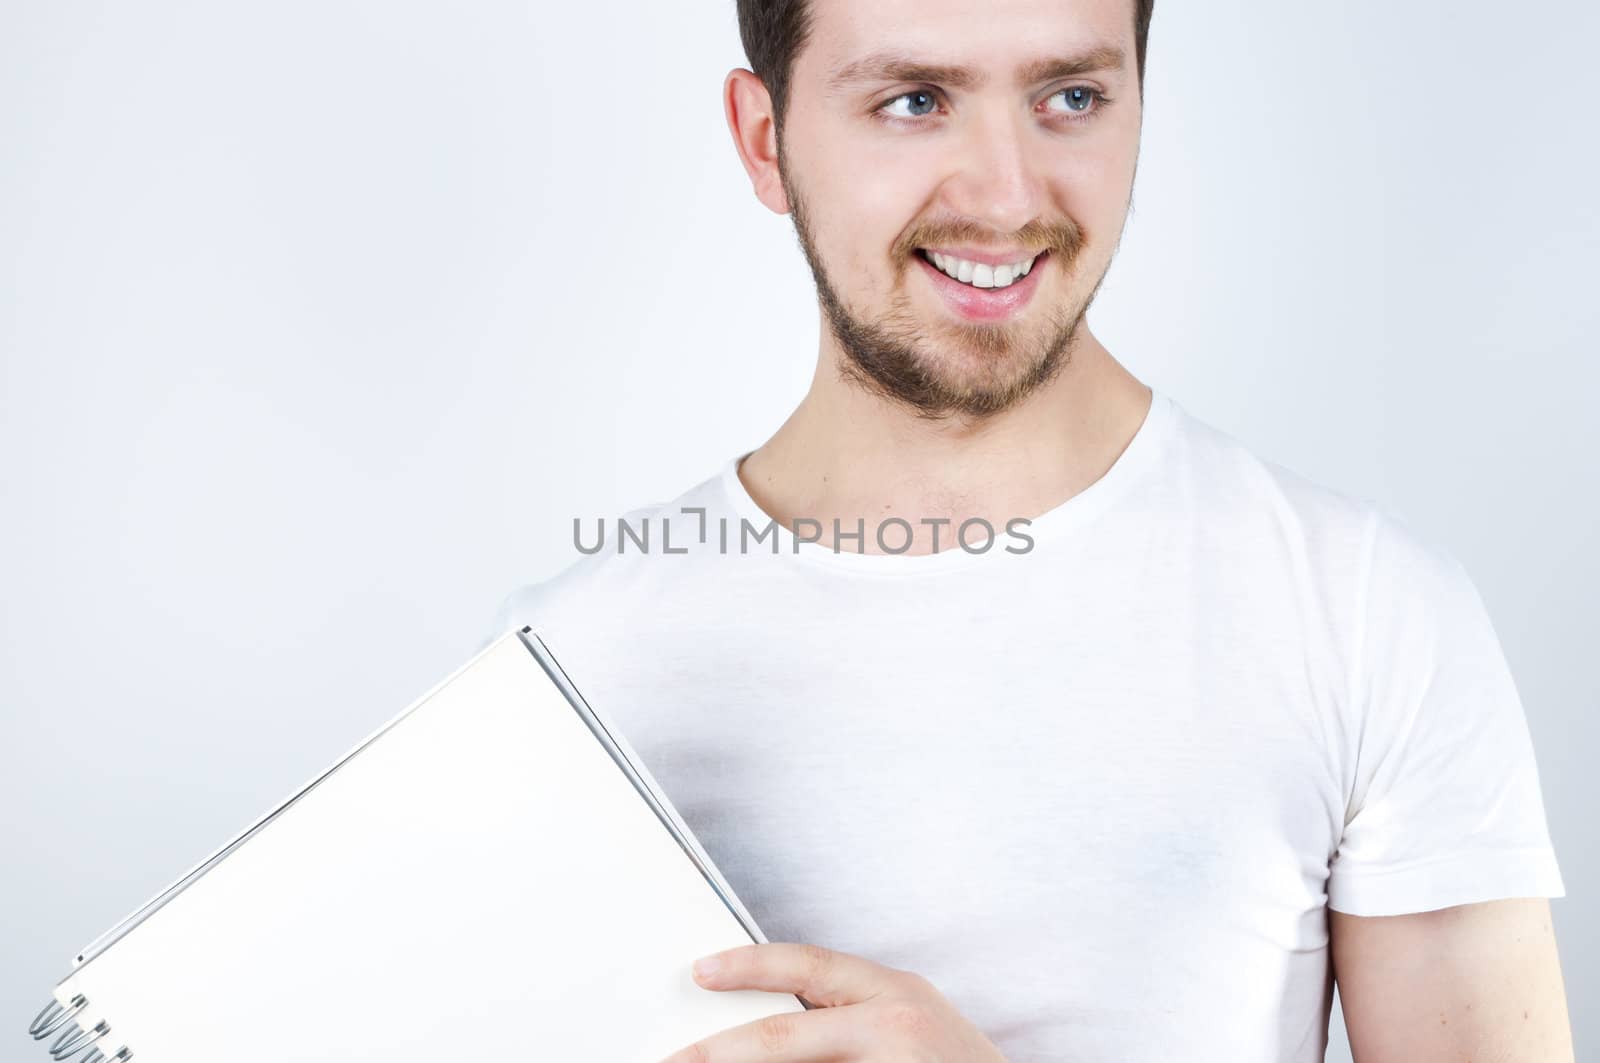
{"type": "Point", "coordinates": [787, 1037]}
{"type": "Point", "coordinates": [823, 976]}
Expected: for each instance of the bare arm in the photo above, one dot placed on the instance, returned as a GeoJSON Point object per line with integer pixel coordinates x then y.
{"type": "Point", "coordinates": [1478, 982]}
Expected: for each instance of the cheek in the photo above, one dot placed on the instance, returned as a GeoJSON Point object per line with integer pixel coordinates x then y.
{"type": "Point", "coordinates": [1091, 187]}
{"type": "Point", "coordinates": [860, 190]}
{"type": "Point", "coordinates": [898, 178]}
{"type": "Point", "coordinates": [1097, 172]}
{"type": "Point", "coordinates": [868, 207]}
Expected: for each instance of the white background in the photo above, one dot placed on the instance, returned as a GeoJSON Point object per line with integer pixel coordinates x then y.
{"type": "Point", "coordinates": [321, 321]}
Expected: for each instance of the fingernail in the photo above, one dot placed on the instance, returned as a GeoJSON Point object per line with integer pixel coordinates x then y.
{"type": "Point", "coordinates": [706, 967]}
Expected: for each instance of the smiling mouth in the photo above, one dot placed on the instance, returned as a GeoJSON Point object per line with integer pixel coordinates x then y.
{"type": "Point", "coordinates": [981, 274]}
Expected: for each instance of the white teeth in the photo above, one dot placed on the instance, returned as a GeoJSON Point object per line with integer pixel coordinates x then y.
{"type": "Point", "coordinates": [981, 274]}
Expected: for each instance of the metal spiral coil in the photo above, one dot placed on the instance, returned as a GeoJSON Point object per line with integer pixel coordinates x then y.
{"type": "Point", "coordinates": [54, 1016]}
{"type": "Point", "coordinates": [71, 1042]}
{"type": "Point", "coordinates": [121, 1055]}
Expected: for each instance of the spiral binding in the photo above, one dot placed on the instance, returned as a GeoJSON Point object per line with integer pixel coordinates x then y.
{"type": "Point", "coordinates": [56, 1017]}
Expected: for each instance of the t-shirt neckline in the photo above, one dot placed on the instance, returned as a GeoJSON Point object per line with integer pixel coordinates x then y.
{"type": "Point", "coordinates": [1139, 455]}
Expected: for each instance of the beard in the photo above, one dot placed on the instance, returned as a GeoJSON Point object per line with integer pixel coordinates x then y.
{"type": "Point", "coordinates": [969, 369]}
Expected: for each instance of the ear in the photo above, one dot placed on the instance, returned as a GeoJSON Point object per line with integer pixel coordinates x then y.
{"type": "Point", "coordinates": [748, 106]}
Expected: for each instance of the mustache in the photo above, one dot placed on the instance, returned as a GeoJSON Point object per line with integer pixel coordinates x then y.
{"type": "Point", "coordinates": [1064, 238]}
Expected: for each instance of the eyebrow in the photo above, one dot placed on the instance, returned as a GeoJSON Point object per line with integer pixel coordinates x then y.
{"type": "Point", "coordinates": [898, 66]}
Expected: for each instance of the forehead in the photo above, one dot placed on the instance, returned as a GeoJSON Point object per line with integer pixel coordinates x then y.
{"type": "Point", "coordinates": [993, 37]}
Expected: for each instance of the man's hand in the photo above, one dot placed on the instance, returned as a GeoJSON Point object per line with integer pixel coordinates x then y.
{"type": "Point", "coordinates": [863, 1012]}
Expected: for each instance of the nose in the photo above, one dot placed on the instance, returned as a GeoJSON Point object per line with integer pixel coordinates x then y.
{"type": "Point", "coordinates": [997, 175]}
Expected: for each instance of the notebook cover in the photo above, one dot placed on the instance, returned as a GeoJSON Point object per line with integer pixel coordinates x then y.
{"type": "Point", "coordinates": [480, 873]}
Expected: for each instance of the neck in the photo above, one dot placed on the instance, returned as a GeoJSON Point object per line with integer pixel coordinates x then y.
{"type": "Point", "coordinates": [850, 455]}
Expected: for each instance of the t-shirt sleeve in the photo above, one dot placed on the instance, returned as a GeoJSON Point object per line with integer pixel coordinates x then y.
{"type": "Point", "coordinates": [1445, 805]}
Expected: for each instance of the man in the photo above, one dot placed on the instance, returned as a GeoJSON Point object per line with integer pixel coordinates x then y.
{"type": "Point", "coordinates": [1032, 718]}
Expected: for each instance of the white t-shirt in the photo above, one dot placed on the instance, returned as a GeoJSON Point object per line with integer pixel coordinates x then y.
{"type": "Point", "coordinates": [1098, 786]}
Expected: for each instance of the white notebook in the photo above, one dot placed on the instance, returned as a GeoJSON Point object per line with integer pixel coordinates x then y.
{"type": "Point", "coordinates": [493, 871]}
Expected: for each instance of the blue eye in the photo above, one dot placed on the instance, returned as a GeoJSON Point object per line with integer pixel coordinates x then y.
{"type": "Point", "coordinates": [1080, 101]}
{"type": "Point", "coordinates": [919, 100]}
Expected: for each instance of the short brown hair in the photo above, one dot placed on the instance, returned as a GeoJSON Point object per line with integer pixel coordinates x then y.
{"type": "Point", "coordinates": [774, 31]}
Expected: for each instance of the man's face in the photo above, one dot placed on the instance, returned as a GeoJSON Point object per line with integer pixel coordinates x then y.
{"type": "Point", "coordinates": [940, 126]}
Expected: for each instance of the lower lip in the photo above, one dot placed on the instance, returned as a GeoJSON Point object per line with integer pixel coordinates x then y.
{"type": "Point", "coordinates": [984, 304]}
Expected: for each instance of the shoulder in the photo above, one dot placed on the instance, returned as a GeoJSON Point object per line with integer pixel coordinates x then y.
{"type": "Point", "coordinates": [1344, 551]}
{"type": "Point", "coordinates": [621, 566]}
{"type": "Point", "coordinates": [1263, 505]}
